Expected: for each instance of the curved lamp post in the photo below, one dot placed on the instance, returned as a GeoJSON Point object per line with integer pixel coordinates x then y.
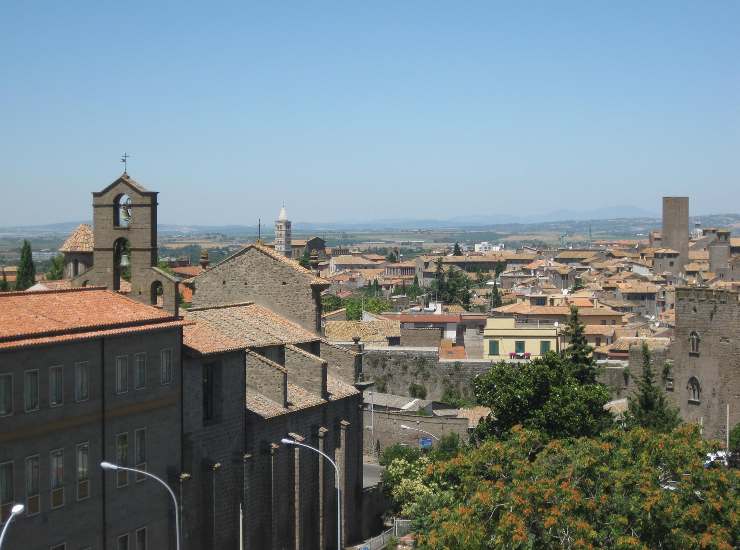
{"type": "Point", "coordinates": [405, 427]}
{"type": "Point", "coordinates": [14, 511]}
{"type": "Point", "coordinates": [286, 441]}
{"type": "Point", "coordinates": [114, 467]}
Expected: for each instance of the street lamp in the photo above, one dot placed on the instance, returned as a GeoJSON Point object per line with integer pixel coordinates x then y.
{"type": "Point", "coordinates": [286, 441]}
{"type": "Point", "coordinates": [113, 467]}
{"type": "Point", "coordinates": [16, 510]}
{"type": "Point", "coordinates": [418, 429]}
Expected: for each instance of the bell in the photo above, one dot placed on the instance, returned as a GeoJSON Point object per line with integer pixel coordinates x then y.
{"type": "Point", "coordinates": [124, 260]}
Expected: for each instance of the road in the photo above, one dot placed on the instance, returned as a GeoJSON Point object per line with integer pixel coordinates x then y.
{"type": "Point", "coordinates": [371, 474]}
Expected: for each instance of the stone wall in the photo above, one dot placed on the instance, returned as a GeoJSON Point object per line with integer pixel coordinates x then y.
{"type": "Point", "coordinates": [395, 369]}
{"type": "Point", "coordinates": [344, 364]}
{"type": "Point", "coordinates": [421, 337]}
{"type": "Point", "coordinates": [387, 429]}
{"type": "Point", "coordinates": [306, 370]}
{"type": "Point", "coordinates": [267, 378]}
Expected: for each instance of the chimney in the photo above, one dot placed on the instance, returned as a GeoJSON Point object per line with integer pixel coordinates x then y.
{"type": "Point", "coordinates": [314, 262]}
{"type": "Point", "coordinates": [204, 259]}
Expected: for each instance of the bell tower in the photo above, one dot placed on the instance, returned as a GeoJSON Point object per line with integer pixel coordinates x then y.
{"type": "Point", "coordinates": [125, 245]}
{"type": "Point", "coordinates": [283, 237]}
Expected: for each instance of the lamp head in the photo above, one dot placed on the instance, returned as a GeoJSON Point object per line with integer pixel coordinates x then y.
{"type": "Point", "coordinates": [108, 466]}
{"type": "Point", "coordinates": [286, 441]}
{"type": "Point", "coordinates": [405, 427]}
{"type": "Point", "coordinates": [17, 509]}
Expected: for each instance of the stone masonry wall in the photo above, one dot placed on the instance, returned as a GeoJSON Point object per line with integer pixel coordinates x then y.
{"type": "Point", "coordinates": [387, 428]}
{"type": "Point", "coordinates": [267, 377]}
{"type": "Point", "coordinates": [343, 363]}
{"type": "Point", "coordinates": [421, 337]}
{"type": "Point", "coordinates": [306, 370]}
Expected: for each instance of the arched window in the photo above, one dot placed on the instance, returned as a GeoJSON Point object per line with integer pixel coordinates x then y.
{"type": "Point", "coordinates": [121, 262]}
{"type": "Point", "coordinates": [122, 212]}
{"type": "Point", "coordinates": [155, 297]}
{"type": "Point", "coordinates": [694, 390]}
{"type": "Point", "coordinates": [694, 342]}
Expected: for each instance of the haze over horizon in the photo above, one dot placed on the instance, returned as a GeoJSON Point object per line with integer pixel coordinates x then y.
{"type": "Point", "coordinates": [369, 112]}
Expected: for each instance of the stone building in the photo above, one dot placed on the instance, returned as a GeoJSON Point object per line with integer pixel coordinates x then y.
{"type": "Point", "coordinates": [78, 251]}
{"type": "Point", "coordinates": [283, 236]}
{"type": "Point", "coordinates": [125, 245]}
{"type": "Point", "coordinates": [87, 375]}
{"type": "Point", "coordinates": [675, 233]}
{"type": "Point", "coordinates": [706, 358]}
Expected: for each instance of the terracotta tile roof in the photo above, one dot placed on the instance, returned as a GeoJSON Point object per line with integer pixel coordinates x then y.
{"type": "Point", "coordinates": [251, 325]}
{"type": "Point", "coordinates": [424, 317]}
{"type": "Point", "coordinates": [81, 240]}
{"type": "Point", "coordinates": [298, 398]}
{"type": "Point", "coordinates": [526, 309]}
{"type": "Point", "coordinates": [698, 255]}
{"type": "Point", "coordinates": [493, 257]}
{"type": "Point", "coordinates": [665, 251]}
{"type": "Point", "coordinates": [635, 287]}
{"type": "Point", "coordinates": [599, 330]}
{"type": "Point", "coordinates": [267, 251]}
{"type": "Point", "coordinates": [206, 340]}
{"type": "Point", "coordinates": [368, 331]}
{"type": "Point", "coordinates": [61, 284]}
{"type": "Point", "coordinates": [576, 254]}
{"type": "Point", "coordinates": [47, 313]}
{"type": "Point", "coordinates": [187, 271]}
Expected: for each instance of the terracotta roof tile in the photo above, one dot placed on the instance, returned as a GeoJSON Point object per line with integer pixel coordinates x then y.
{"type": "Point", "coordinates": [81, 240]}
{"type": "Point", "coordinates": [206, 340]}
{"type": "Point", "coordinates": [32, 314]}
{"type": "Point", "coordinates": [377, 331]}
{"type": "Point", "coordinates": [298, 398]}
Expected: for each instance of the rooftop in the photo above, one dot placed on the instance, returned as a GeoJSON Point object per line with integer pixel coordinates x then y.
{"type": "Point", "coordinates": [377, 331]}
{"type": "Point", "coordinates": [81, 240]}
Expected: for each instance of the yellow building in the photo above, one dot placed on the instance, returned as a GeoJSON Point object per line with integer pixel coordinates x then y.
{"type": "Point", "coordinates": [504, 338]}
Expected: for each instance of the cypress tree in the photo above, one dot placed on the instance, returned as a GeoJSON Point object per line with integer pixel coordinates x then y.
{"type": "Point", "coordinates": [579, 351]}
{"type": "Point", "coordinates": [26, 277]}
{"type": "Point", "coordinates": [648, 408]}
{"type": "Point", "coordinates": [457, 251]}
{"type": "Point", "coordinates": [495, 296]}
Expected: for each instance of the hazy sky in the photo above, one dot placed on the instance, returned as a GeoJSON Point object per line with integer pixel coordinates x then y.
{"type": "Point", "coordinates": [366, 110]}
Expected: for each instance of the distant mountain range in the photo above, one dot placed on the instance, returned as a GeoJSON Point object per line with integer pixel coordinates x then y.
{"type": "Point", "coordinates": [622, 215]}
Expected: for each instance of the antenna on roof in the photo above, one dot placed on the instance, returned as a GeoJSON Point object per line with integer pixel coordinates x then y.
{"type": "Point", "coordinates": [259, 230]}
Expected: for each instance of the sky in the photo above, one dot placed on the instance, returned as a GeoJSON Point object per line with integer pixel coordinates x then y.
{"type": "Point", "coordinates": [354, 111]}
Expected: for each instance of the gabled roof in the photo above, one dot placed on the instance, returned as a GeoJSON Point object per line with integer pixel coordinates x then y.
{"type": "Point", "coordinates": [313, 279]}
{"type": "Point", "coordinates": [81, 240]}
{"type": "Point", "coordinates": [128, 181]}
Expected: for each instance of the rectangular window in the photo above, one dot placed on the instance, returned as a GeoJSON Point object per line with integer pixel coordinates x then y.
{"type": "Point", "coordinates": [140, 452]}
{"type": "Point", "coordinates": [31, 390]}
{"type": "Point", "coordinates": [122, 459]}
{"type": "Point", "coordinates": [56, 386]}
{"type": "Point", "coordinates": [32, 485]}
{"type": "Point", "coordinates": [493, 347]}
{"type": "Point", "coordinates": [165, 367]}
{"type": "Point", "coordinates": [141, 539]}
{"type": "Point", "coordinates": [140, 371]}
{"type": "Point", "coordinates": [122, 374]}
{"type": "Point", "coordinates": [56, 477]}
{"type": "Point", "coordinates": [519, 346]}
{"type": "Point", "coordinates": [544, 346]}
{"type": "Point", "coordinates": [83, 473]}
{"type": "Point", "coordinates": [7, 495]}
{"type": "Point", "coordinates": [82, 381]}
{"type": "Point", "coordinates": [122, 542]}
{"type": "Point", "coordinates": [6, 394]}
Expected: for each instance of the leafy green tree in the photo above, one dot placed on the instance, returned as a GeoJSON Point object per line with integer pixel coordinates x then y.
{"type": "Point", "coordinates": [376, 288]}
{"type": "Point", "coordinates": [495, 296]}
{"type": "Point", "coordinates": [330, 302]}
{"type": "Point", "coordinates": [577, 285]}
{"type": "Point", "coordinates": [417, 391]}
{"type": "Point", "coordinates": [355, 304]}
{"type": "Point", "coordinates": [396, 451]}
{"type": "Point", "coordinates": [648, 407]}
{"type": "Point", "coordinates": [26, 276]}
{"type": "Point", "coordinates": [56, 270]}
{"type": "Point", "coordinates": [579, 352]}
{"type": "Point", "coordinates": [457, 251]}
{"type": "Point", "coordinates": [735, 447]}
{"type": "Point", "coordinates": [542, 394]}
{"type": "Point", "coordinates": [391, 257]}
{"type": "Point", "coordinates": [628, 489]}
{"type": "Point", "coordinates": [305, 259]}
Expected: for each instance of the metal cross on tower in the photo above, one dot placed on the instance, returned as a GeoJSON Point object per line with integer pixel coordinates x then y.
{"type": "Point", "coordinates": [124, 159]}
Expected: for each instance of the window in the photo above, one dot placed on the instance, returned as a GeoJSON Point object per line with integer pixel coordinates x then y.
{"type": "Point", "coordinates": [603, 321]}
{"type": "Point", "coordinates": [519, 346]}
{"type": "Point", "coordinates": [694, 390]}
{"type": "Point", "coordinates": [122, 459]}
{"type": "Point", "coordinates": [122, 542]}
{"type": "Point", "coordinates": [7, 496]}
{"type": "Point", "coordinates": [694, 342]}
{"type": "Point", "coordinates": [6, 394]}
{"type": "Point", "coordinates": [122, 374]}
{"type": "Point", "coordinates": [141, 539]}
{"type": "Point", "coordinates": [31, 390]}
{"type": "Point", "coordinates": [493, 347]}
{"type": "Point", "coordinates": [82, 381]}
{"type": "Point", "coordinates": [83, 474]}
{"type": "Point", "coordinates": [165, 367]}
{"type": "Point", "coordinates": [56, 478]}
{"type": "Point", "coordinates": [140, 371]}
{"type": "Point", "coordinates": [544, 346]}
{"type": "Point", "coordinates": [32, 485]}
{"type": "Point", "coordinates": [140, 452]}
{"type": "Point", "coordinates": [56, 386]}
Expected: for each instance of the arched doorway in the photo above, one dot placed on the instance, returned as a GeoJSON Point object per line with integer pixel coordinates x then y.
{"type": "Point", "coordinates": [156, 294]}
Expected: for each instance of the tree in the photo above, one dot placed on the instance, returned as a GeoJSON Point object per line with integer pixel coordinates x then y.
{"type": "Point", "coordinates": [636, 489]}
{"type": "Point", "coordinates": [579, 352]}
{"type": "Point", "coordinates": [417, 391]}
{"type": "Point", "coordinates": [355, 306]}
{"type": "Point", "coordinates": [56, 270]}
{"type": "Point", "coordinates": [4, 286]}
{"type": "Point", "coordinates": [305, 259]}
{"type": "Point", "coordinates": [457, 251]}
{"type": "Point", "coordinates": [495, 296]}
{"type": "Point", "coordinates": [648, 407]}
{"type": "Point", "coordinates": [26, 276]}
{"type": "Point", "coordinates": [542, 394]}
{"type": "Point", "coordinates": [330, 302]}
{"type": "Point", "coordinates": [391, 257]}
{"type": "Point", "coordinates": [577, 285]}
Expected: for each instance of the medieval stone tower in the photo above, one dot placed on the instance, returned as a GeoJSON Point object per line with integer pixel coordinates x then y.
{"type": "Point", "coordinates": [676, 229]}
{"type": "Point", "coordinates": [283, 234]}
{"type": "Point", "coordinates": [125, 245]}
